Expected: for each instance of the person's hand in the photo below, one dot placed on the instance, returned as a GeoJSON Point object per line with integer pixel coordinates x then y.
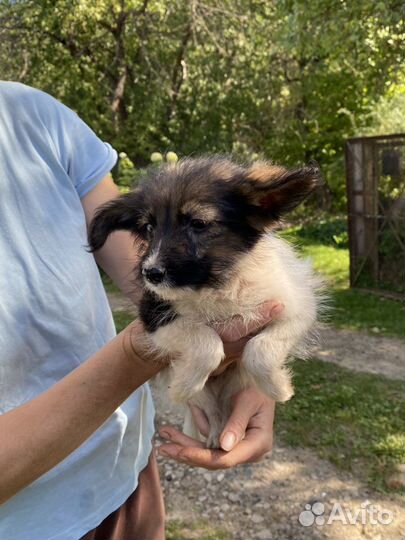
{"type": "Point", "coordinates": [246, 438]}
{"type": "Point", "coordinates": [235, 333]}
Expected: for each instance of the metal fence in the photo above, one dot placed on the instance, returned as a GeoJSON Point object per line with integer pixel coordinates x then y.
{"type": "Point", "coordinates": [375, 176]}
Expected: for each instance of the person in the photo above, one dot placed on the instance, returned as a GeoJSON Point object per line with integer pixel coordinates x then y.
{"type": "Point", "coordinates": [76, 421]}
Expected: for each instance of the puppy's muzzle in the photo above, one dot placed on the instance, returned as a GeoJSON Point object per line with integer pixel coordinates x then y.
{"type": "Point", "coordinates": [155, 274]}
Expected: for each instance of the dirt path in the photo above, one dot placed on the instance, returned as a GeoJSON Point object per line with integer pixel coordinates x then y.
{"type": "Point", "coordinates": [266, 500]}
{"type": "Point", "coordinates": [361, 351]}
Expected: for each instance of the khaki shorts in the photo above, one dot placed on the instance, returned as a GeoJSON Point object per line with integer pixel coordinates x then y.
{"type": "Point", "coordinates": [141, 517]}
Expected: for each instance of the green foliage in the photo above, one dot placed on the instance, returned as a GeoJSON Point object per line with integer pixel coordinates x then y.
{"type": "Point", "coordinates": [326, 231]}
{"type": "Point", "coordinates": [126, 174]}
{"type": "Point", "coordinates": [108, 283]}
{"type": "Point", "coordinates": [122, 319]}
{"type": "Point", "coordinates": [356, 310]}
{"type": "Point", "coordinates": [287, 80]}
{"type": "Point", "coordinates": [388, 114]}
{"type": "Point", "coordinates": [353, 419]}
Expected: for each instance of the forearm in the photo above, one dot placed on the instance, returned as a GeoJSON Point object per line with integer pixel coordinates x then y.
{"type": "Point", "coordinates": [119, 255]}
{"type": "Point", "coordinates": [39, 434]}
{"type": "Point", "coordinates": [119, 258]}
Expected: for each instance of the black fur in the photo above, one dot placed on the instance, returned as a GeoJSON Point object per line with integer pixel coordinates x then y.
{"type": "Point", "coordinates": [154, 312]}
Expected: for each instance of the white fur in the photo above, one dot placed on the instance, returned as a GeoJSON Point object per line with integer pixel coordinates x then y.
{"type": "Point", "coordinates": [271, 271]}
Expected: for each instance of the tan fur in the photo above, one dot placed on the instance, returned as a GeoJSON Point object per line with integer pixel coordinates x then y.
{"type": "Point", "coordinates": [263, 171]}
{"type": "Point", "coordinates": [200, 211]}
{"type": "Point", "coordinates": [223, 170]}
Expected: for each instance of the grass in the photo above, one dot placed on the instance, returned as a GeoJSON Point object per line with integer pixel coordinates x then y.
{"type": "Point", "coordinates": [122, 319]}
{"type": "Point", "coordinates": [201, 530]}
{"type": "Point", "coordinates": [108, 283]}
{"type": "Point", "coordinates": [325, 244]}
{"type": "Point", "coordinates": [355, 420]}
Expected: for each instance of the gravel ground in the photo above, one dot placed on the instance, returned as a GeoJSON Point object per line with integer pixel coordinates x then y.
{"type": "Point", "coordinates": [265, 500]}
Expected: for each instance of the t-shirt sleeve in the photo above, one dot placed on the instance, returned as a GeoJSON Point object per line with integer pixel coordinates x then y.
{"type": "Point", "coordinates": [85, 157]}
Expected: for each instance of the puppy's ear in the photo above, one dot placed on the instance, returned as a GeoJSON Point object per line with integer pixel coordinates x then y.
{"type": "Point", "coordinates": [118, 214]}
{"type": "Point", "coordinates": [273, 191]}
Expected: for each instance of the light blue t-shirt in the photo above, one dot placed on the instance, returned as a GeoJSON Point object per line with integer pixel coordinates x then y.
{"type": "Point", "coordinates": [54, 312]}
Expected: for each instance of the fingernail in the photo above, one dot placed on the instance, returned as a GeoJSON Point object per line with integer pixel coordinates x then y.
{"type": "Point", "coordinates": [228, 441]}
{"type": "Point", "coordinates": [164, 434]}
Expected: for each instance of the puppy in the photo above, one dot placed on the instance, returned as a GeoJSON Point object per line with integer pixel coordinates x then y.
{"type": "Point", "coordinates": [208, 254]}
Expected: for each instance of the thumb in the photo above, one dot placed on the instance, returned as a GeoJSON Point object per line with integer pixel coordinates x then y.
{"type": "Point", "coordinates": [244, 407]}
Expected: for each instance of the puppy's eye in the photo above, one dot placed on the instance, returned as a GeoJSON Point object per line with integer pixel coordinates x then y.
{"type": "Point", "coordinates": [198, 224]}
{"type": "Point", "coordinates": [148, 228]}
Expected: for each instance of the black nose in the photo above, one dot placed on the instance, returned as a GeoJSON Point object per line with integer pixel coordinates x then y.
{"type": "Point", "coordinates": [154, 275]}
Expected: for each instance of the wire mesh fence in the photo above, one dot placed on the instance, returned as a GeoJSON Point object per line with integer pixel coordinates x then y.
{"type": "Point", "coordinates": [375, 176]}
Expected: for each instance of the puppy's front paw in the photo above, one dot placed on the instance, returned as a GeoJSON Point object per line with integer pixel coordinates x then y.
{"type": "Point", "coordinates": [182, 389]}
{"type": "Point", "coordinates": [277, 386]}
{"type": "Point", "coordinates": [268, 370]}
{"type": "Point", "coordinates": [191, 371]}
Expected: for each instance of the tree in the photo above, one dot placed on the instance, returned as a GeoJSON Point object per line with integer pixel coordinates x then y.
{"type": "Point", "coordinates": [286, 79]}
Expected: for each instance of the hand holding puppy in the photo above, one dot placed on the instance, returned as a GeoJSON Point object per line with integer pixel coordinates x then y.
{"type": "Point", "coordinates": [247, 436]}
{"type": "Point", "coordinates": [248, 433]}
{"type": "Point", "coordinates": [235, 333]}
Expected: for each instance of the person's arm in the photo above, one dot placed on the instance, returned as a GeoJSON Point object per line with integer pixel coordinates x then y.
{"type": "Point", "coordinates": [118, 257]}
{"type": "Point", "coordinates": [38, 435]}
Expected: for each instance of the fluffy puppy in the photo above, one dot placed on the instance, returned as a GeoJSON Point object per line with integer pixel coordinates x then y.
{"type": "Point", "coordinates": [208, 254]}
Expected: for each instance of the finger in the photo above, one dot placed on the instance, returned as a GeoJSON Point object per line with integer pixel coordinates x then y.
{"type": "Point", "coordinates": [245, 405]}
{"type": "Point", "coordinates": [177, 437]}
{"type": "Point", "coordinates": [250, 449]}
{"type": "Point", "coordinates": [200, 420]}
{"type": "Point", "coordinates": [265, 314]}
{"type": "Point", "coordinates": [237, 328]}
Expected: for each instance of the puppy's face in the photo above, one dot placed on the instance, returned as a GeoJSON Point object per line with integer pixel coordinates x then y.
{"type": "Point", "coordinates": [197, 218]}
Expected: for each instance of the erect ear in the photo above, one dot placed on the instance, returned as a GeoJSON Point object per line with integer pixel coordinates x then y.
{"type": "Point", "coordinates": [119, 214]}
{"type": "Point", "coordinates": [273, 191]}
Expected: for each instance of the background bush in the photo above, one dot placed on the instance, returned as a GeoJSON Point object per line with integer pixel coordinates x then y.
{"type": "Point", "coordinates": [287, 79]}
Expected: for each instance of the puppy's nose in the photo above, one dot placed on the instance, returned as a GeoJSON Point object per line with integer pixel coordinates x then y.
{"type": "Point", "coordinates": [154, 275]}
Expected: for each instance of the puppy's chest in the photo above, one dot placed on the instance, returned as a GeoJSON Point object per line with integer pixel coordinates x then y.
{"type": "Point", "coordinates": [249, 287]}
{"type": "Point", "coordinates": [221, 305]}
